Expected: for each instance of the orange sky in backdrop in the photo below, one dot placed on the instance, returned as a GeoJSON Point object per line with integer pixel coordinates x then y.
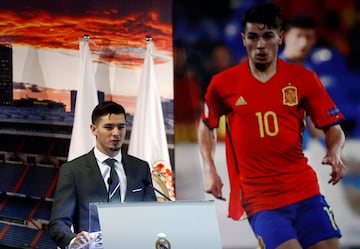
{"type": "Point", "coordinates": [119, 35]}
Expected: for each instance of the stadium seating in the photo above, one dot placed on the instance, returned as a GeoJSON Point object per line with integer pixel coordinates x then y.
{"type": "Point", "coordinates": [25, 203]}
{"type": "Point", "coordinates": [14, 236]}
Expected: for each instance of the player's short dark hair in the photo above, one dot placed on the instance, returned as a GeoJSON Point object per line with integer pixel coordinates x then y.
{"type": "Point", "coordinates": [105, 108]}
{"type": "Point", "coordinates": [301, 20]}
{"type": "Point", "coordinates": [268, 14]}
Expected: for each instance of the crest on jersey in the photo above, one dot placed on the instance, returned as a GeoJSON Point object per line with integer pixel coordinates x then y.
{"type": "Point", "coordinates": [290, 97]}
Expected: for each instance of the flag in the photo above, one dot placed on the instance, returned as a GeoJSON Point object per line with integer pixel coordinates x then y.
{"type": "Point", "coordinates": [148, 135]}
{"type": "Point", "coordinates": [82, 140]}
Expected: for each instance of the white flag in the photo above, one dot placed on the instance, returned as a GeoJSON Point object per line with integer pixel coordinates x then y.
{"type": "Point", "coordinates": [148, 136]}
{"type": "Point", "coordinates": [82, 140]}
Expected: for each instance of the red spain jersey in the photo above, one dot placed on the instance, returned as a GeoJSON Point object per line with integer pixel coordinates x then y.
{"type": "Point", "coordinates": [266, 164]}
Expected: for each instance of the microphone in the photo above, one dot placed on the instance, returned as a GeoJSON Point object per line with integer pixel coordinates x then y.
{"type": "Point", "coordinates": [148, 184]}
{"type": "Point", "coordinates": [109, 182]}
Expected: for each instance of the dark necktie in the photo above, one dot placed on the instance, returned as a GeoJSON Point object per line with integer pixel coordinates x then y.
{"type": "Point", "coordinates": [114, 182]}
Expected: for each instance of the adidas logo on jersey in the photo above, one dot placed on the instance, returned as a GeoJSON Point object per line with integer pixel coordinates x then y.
{"type": "Point", "coordinates": [240, 101]}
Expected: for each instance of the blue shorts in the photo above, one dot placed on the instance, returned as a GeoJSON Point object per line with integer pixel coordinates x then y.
{"type": "Point", "coordinates": [308, 221]}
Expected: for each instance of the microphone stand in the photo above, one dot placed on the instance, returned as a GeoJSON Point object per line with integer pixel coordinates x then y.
{"type": "Point", "coordinates": [109, 182]}
{"type": "Point", "coordinates": [147, 183]}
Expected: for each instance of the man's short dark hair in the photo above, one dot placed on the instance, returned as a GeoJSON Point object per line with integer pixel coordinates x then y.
{"type": "Point", "coordinates": [301, 20]}
{"type": "Point", "coordinates": [268, 14]}
{"type": "Point", "coordinates": [105, 108]}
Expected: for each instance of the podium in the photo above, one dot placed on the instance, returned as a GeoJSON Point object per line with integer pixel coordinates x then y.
{"type": "Point", "coordinates": [146, 225]}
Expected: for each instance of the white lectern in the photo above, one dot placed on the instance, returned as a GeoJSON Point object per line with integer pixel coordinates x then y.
{"type": "Point", "coordinates": [183, 224]}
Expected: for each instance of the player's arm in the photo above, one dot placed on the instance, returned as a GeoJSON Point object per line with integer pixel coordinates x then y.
{"type": "Point", "coordinates": [315, 132]}
{"type": "Point", "coordinates": [207, 143]}
{"type": "Point", "coordinates": [335, 140]}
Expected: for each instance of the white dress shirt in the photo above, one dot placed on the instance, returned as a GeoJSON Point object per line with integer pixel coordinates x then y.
{"type": "Point", "coordinates": [105, 170]}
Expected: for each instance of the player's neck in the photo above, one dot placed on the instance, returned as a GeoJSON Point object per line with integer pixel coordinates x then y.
{"type": "Point", "coordinates": [263, 74]}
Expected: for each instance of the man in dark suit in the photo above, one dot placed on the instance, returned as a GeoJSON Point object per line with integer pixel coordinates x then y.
{"type": "Point", "coordinates": [88, 178]}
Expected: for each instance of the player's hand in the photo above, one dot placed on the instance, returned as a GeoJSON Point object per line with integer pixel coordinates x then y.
{"type": "Point", "coordinates": [213, 184]}
{"type": "Point", "coordinates": [338, 168]}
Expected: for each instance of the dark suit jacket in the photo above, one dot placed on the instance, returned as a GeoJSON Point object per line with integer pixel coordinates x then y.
{"type": "Point", "coordinates": [80, 182]}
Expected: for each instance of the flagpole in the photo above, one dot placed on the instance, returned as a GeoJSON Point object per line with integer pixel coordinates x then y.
{"type": "Point", "coordinates": [87, 39]}
{"type": "Point", "coordinates": [148, 135]}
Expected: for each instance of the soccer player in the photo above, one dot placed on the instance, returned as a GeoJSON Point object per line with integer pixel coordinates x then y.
{"type": "Point", "coordinates": [265, 100]}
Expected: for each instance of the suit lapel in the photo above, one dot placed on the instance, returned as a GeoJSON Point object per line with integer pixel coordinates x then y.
{"type": "Point", "coordinates": [129, 175]}
{"type": "Point", "coordinates": [125, 163]}
{"type": "Point", "coordinates": [96, 178]}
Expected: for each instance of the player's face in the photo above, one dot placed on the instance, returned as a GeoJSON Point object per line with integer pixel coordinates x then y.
{"type": "Point", "coordinates": [299, 42]}
{"type": "Point", "coordinates": [110, 133]}
{"type": "Point", "coordinates": [262, 44]}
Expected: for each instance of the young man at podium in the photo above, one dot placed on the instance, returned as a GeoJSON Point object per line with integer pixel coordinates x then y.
{"type": "Point", "coordinates": [102, 175]}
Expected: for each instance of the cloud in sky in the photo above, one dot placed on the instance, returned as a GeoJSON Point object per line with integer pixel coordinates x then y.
{"type": "Point", "coordinates": [117, 28]}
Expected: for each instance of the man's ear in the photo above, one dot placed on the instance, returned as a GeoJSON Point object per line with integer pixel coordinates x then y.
{"type": "Point", "coordinates": [243, 39]}
{"type": "Point", "coordinates": [281, 35]}
{"type": "Point", "coordinates": [93, 129]}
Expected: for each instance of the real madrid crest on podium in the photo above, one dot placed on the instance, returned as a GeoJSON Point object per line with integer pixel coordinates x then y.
{"type": "Point", "coordinates": [162, 242]}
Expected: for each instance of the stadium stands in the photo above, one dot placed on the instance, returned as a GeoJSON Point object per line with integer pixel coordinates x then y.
{"type": "Point", "coordinates": [25, 204]}
{"type": "Point", "coordinates": [39, 182]}
{"type": "Point", "coordinates": [9, 175]}
{"type": "Point", "coordinates": [14, 236]}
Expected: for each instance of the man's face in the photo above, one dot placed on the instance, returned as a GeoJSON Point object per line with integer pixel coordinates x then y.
{"type": "Point", "coordinates": [299, 42]}
{"type": "Point", "coordinates": [110, 133]}
{"type": "Point", "coordinates": [262, 44]}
